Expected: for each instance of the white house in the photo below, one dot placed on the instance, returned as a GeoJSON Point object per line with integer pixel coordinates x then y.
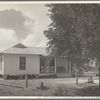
{"type": "Point", "coordinates": [21, 60]}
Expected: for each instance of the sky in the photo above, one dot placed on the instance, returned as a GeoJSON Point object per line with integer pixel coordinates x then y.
{"type": "Point", "coordinates": [23, 23]}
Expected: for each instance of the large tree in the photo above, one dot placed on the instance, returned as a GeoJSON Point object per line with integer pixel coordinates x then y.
{"type": "Point", "coordinates": [74, 31]}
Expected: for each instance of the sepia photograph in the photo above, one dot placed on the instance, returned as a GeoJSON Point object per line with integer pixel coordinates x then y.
{"type": "Point", "coordinates": [49, 49]}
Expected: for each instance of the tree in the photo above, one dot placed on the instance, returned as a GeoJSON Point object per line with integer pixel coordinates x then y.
{"type": "Point", "coordinates": [74, 31]}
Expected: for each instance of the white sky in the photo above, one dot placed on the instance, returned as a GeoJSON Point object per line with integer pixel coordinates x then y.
{"type": "Point", "coordinates": [23, 23]}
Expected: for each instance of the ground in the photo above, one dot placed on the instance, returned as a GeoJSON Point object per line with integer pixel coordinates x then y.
{"type": "Point", "coordinates": [55, 87]}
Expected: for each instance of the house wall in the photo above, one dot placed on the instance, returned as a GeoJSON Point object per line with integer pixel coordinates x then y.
{"type": "Point", "coordinates": [2, 65]}
{"type": "Point", "coordinates": [11, 64]}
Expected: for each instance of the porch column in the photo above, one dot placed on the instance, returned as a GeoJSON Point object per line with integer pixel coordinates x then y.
{"type": "Point", "coordinates": [69, 66]}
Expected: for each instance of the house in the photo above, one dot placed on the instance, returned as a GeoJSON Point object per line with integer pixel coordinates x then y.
{"type": "Point", "coordinates": [21, 60]}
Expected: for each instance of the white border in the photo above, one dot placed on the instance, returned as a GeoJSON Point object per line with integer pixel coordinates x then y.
{"type": "Point", "coordinates": [49, 97]}
{"type": "Point", "coordinates": [54, 2]}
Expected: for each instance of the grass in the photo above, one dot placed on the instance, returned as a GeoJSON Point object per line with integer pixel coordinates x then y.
{"type": "Point", "coordinates": [90, 91]}
{"type": "Point", "coordinates": [55, 87]}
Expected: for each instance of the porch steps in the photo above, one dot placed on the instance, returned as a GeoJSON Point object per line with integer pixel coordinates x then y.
{"type": "Point", "coordinates": [63, 75]}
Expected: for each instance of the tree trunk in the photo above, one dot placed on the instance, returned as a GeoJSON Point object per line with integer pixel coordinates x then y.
{"type": "Point", "coordinates": [76, 75]}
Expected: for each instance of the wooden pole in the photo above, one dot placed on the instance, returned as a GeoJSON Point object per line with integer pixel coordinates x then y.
{"type": "Point", "coordinates": [4, 77]}
{"type": "Point", "coordinates": [26, 80]}
{"type": "Point", "coordinates": [99, 72]}
{"type": "Point", "coordinates": [99, 76]}
{"type": "Point", "coordinates": [21, 77]}
{"type": "Point", "coordinates": [76, 75]}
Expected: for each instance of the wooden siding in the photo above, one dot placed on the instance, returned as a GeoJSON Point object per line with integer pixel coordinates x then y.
{"type": "Point", "coordinates": [12, 64]}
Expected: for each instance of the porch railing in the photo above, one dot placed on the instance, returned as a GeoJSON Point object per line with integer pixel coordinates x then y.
{"type": "Point", "coordinates": [47, 69]}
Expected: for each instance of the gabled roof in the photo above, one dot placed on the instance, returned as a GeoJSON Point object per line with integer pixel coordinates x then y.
{"type": "Point", "coordinates": [21, 49]}
{"type": "Point", "coordinates": [19, 45]}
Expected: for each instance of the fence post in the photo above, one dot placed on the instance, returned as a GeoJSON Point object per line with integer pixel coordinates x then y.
{"type": "Point", "coordinates": [76, 75]}
{"type": "Point", "coordinates": [21, 76]}
{"type": "Point", "coordinates": [4, 77]}
{"type": "Point", "coordinates": [26, 80]}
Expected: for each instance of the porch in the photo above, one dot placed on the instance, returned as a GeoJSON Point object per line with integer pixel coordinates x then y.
{"type": "Point", "coordinates": [61, 67]}
{"type": "Point", "coordinates": [47, 65]}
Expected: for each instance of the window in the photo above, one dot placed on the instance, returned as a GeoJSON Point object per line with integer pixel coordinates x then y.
{"type": "Point", "coordinates": [42, 62]}
{"type": "Point", "coordinates": [52, 62]}
{"type": "Point", "coordinates": [61, 69]}
{"type": "Point", "coordinates": [22, 63]}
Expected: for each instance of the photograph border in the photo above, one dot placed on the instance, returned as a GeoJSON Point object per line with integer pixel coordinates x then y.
{"type": "Point", "coordinates": [42, 2]}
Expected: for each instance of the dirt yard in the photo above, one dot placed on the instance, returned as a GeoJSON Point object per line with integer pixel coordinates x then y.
{"type": "Point", "coordinates": [54, 87]}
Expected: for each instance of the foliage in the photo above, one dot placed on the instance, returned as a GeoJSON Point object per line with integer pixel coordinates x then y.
{"type": "Point", "coordinates": [74, 31]}
{"type": "Point", "coordinates": [62, 91]}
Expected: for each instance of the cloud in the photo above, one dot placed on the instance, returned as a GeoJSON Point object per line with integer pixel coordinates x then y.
{"type": "Point", "coordinates": [8, 35]}
{"type": "Point", "coordinates": [27, 29]}
{"type": "Point", "coordinates": [36, 37]}
{"type": "Point", "coordinates": [42, 44]}
{"type": "Point", "coordinates": [27, 21]}
{"type": "Point", "coordinates": [34, 40]}
{"type": "Point", "coordinates": [7, 38]}
{"type": "Point", "coordinates": [12, 19]}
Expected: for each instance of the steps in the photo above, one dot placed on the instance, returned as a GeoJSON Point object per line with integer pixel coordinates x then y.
{"type": "Point", "coordinates": [64, 75]}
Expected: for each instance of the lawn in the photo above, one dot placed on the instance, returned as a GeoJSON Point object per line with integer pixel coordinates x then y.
{"type": "Point", "coordinates": [55, 87]}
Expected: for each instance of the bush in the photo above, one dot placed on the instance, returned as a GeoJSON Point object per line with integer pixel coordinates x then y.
{"type": "Point", "coordinates": [97, 74]}
{"type": "Point", "coordinates": [61, 91]}
{"type": "Point", "coordinates": [80, 74]}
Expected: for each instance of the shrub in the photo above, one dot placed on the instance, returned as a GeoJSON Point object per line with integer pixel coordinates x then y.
{"type": "Point", "coordinates": [61, 91]}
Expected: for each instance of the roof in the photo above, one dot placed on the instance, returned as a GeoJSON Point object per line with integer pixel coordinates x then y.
{"type": "Point", "coordinates": [21, 49]}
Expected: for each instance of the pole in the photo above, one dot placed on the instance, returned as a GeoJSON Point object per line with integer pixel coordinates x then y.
{"type": "Point", "coordinates": [76, 75]}
{"type": "Point", "coordinates": [99, 71]}
{"type": "Point", "coordinates": [26, 80]}
{"type": "Point", "coordinates": [99, 76]}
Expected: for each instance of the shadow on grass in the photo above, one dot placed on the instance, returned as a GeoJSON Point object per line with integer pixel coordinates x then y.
{"type": "Point", "coordinates": [11, 86]}
{"type": "Point", "coordinates": [86, 91]}
{"type": "Point", "coordinates": [62, 91]}
{"type": "Point", "coordinates": [89, 91]}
